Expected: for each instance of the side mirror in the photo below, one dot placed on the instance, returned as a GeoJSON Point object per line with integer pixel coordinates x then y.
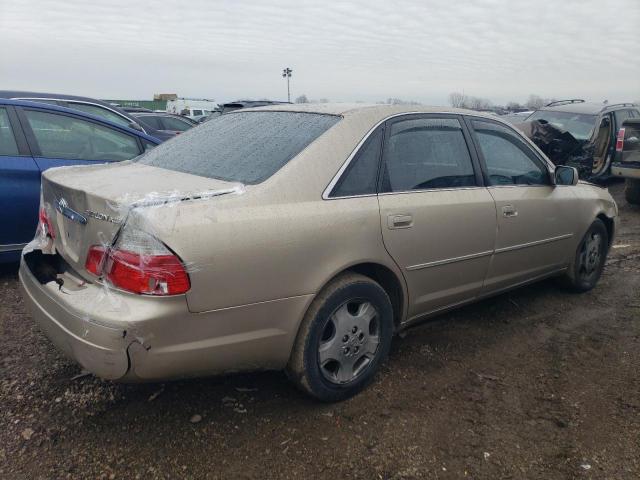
{"type": "Point", "coordinates": [135, 126]}
{"type": "Point", "coordinates": [566, 175]}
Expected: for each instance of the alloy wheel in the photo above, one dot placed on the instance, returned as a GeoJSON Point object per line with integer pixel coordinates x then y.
{"type": "Point", "coordinates": [349, 341]}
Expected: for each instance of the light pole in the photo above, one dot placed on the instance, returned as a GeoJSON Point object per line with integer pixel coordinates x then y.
{"type": "Point", "coordinates": [286, 73]}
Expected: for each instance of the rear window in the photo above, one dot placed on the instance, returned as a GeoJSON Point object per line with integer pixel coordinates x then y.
{"type": "Point", "coordinates": [245, 147]}
{"type": "Point", "coordinates": [150, 121]}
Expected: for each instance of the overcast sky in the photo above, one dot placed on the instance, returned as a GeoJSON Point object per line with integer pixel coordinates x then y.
{"type": "Point", "coordinates": [365, 50]}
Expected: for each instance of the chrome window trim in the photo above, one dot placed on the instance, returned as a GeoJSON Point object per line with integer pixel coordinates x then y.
{"type": "Point", "coordinates": [433, 190]}
{"type": "Point", "coordinates": [78, 101]}
{"type": "Point", "coordinates": [354, 152]}
{"type": "Point", "coordinates": [521, 185]}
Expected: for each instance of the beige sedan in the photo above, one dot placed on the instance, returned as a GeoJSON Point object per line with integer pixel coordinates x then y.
{"type": "Point", "coordinates": [301, 238]}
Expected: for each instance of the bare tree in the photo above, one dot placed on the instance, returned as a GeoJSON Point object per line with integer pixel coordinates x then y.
{"type": "Point", "coordinates": [477, 103]}
{"type": "Point", "coordinates": [399, 101]}
{"type": "Point", "coordinates": [302, 99]}
{"type": "Point", "coordinates": [513, 106]}
{"type": "Point", "coordinates": [457, 99]}
{"type": "Point", "coordinates": [534, 102]}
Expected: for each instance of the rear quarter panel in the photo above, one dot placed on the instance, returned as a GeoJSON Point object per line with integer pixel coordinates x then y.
{"type": "Point", "coordinates": [278, 239]}
{"type": "Point", "coordinates": [253, 252]}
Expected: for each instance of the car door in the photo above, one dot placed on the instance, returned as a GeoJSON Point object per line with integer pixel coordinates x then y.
{"type": "Point", "coordinates": [535, 220]}
{"type": "Point", "coordinates": [59, 139]}
{"type": "Point", "coordinates": [19, 187]}
{"type": "Point", "coordinates": [438, 220]}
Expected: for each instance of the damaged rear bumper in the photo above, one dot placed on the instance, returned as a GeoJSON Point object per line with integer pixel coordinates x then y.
{"type": "Point", "coordinates": [131, 338]}
{"type": "Point", "coordinates": [98, 348]}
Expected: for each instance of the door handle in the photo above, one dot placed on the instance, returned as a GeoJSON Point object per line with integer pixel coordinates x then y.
{"type": "Point", "coordinates": [399, 221]}
{"type": "Point", "coordinates": [509, 211]}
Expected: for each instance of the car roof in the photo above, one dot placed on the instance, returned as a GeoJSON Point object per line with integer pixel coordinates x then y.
{"type": "Point", "coordinates": [587, 108]}
{"type": "Point", "coordinates": [55, 96]}
{"type": "Point", "coordinates": [372, 111]}
{"type": "Point", "coordinates": [77, 113]}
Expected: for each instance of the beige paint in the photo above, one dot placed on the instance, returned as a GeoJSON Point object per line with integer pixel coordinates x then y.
{"type": "Point", "coordinates": [259, 255]}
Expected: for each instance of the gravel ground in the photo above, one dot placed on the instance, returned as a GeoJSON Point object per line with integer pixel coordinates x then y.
{"type": "Point", "coordinates": [536, 383]}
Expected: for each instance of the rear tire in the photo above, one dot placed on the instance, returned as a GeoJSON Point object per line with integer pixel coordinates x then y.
{"type": "Point", "coordinates": [589, 260]}
{"type": "Point", "coordinates": [632, 191]}
{"type": "Point", "coordinates": [343, 339]}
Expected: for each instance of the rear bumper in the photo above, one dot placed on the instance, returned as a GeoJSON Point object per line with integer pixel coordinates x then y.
{"type": "Point", "coordinates": [100, 349]}
{"type": "Point", "coordinates": [619, 169]}
{"type": "Point", "coordinates": [126, 337]}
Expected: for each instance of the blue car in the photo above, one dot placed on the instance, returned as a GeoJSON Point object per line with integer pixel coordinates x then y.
{"type": "Point", "coordinates": [38, 136]}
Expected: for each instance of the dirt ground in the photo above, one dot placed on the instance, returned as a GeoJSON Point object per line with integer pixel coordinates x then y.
{"type": "Point", "coordinates": [536, 383]}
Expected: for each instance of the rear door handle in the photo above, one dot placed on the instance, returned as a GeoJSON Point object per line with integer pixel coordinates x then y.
{"type": "Point", "coordinates": [399, 221]}
{"type": "Point", "coordinates": [509, 211]}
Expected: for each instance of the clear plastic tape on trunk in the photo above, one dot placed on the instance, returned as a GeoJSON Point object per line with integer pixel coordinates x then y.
{"type": "Point", "coordinates": [127, 256]}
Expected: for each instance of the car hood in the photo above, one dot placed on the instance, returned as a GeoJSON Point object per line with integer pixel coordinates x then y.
{"type": "Point", "coordinates": [555, 143]}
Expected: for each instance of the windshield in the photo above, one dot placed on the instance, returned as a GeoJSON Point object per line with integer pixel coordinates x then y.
{"type": "Point", "coordinates": [577, 124]}
{"type": "Point", "coordinates": [245, 147]}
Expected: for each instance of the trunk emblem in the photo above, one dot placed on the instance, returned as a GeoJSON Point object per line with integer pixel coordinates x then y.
{"type": "Point", "coordinates": [63, 207]}
{"type": "Point", "coordinates": [104, 217]}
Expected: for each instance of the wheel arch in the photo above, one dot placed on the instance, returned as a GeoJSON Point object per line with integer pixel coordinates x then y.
{"type": "Point", "coordinates": [390, 281]}
{"type": "Point", "coordinates": [609, 223]}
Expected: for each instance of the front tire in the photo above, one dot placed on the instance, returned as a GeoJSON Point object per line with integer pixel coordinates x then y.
{"type": "Point", "coordinates": [343, 339]}
{"type": "Point", "coordinates": [590, 258]}
{"type": "Point", "coordinates": [632, 191]}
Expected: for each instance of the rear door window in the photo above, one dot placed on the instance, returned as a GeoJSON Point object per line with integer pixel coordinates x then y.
{"type": "Point", "coordinates": [8, 146]}
{"type": "Point", "coordinates": [246, 147]}
{"type": "Point", "coordinates": [172, 123]}
{"type": "Point", "coordinates": [361, 175]}
{"type": "Point", "coordinates": [73, 138]}
{"type": "Point", "coordinates": [426, 153]}
{"type": "Point", "coordinates": [621, 116]}
{"type": "Point", "coordinates": [150, 121]}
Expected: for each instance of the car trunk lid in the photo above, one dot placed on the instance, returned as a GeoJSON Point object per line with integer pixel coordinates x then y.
{"type": "Point", "coordinates": [86, 206]}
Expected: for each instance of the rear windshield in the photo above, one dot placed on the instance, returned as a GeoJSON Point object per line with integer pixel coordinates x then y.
{"type": "Point", "coordinates": [245, 147]}
{"type": "Point", "coordinates": [577, 124]}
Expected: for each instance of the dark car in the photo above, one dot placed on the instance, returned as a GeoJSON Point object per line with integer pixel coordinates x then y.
{"type": "Point", "coordinates": [136, 109]}
{"type": "Point", "coordinates": [626, 164]}
{"type": "Point", "coordinates": [35, 137]}
{"type": "Point", "coordinates": [165, 122]}
{"type": "Point", "coordinates": [578, 133]}
{"type": "Point", "coordinates": [88, 105]}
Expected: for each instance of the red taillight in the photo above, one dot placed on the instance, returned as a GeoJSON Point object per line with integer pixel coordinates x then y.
{"type": "Point", "coordinates": [147, 274]}
{"type": "Point", "coordinates": [95, 259]}
{"type": "Point", "coordinates": [45, 224]}
{"type": "Point", "coordinates": [139, 273]}
{"type": "Point", "coordinates": [620, 140]}
{"type": "Point", "coordinates": [139, 263]}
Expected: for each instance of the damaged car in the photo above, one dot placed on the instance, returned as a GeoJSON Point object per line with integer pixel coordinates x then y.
{"type": "Point", "coordinates": [627, 161]}
{"type": "Point", "coordinates": [301, 238]}
{"type": "Point", "coordinates": [579, 134]}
